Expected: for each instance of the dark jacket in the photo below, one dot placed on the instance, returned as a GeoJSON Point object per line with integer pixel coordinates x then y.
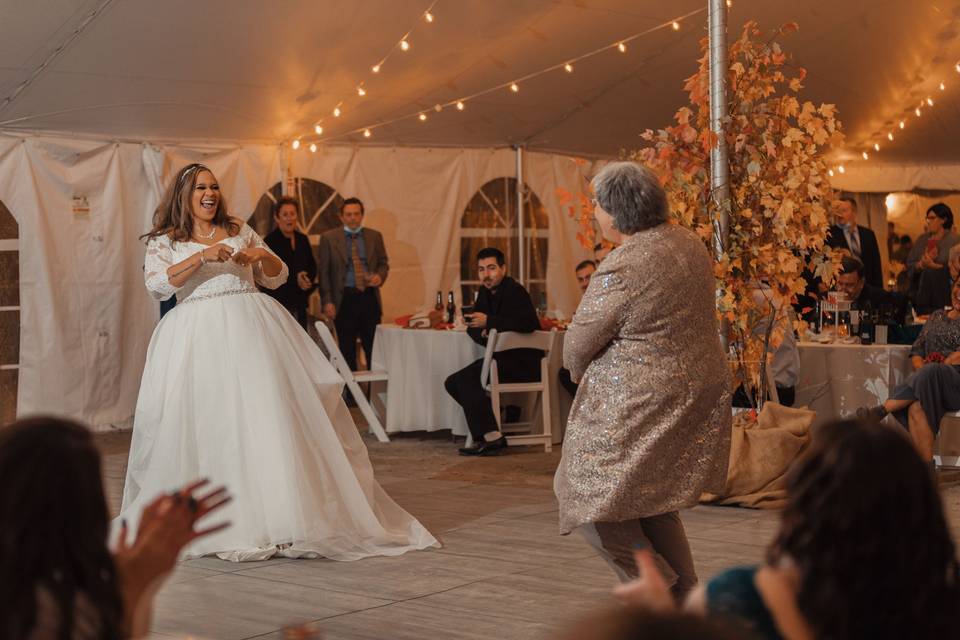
{"type": "Point", "coordinates": [298, 259]}
{"type": "Point", "coordinates": [869, 251]}
{"type": "Point", "coordinates": [334, 262]}
{"type": "Point", "coordinates": [877, 299]}
{"type": "Point", "coordinates": [509, 308]}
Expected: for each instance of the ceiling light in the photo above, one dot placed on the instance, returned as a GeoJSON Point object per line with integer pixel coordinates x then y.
{"type": "Point", "coordinates": [361, 91]}
{"type": "Point", "coordinates": [917, 111]}
{"type": "Point", "coordinates": [841, 169]}
{"type": "Point", "coordinates": [375, 68]}
{"type": "Point", "coordinates": [902, 124]}
{"type": "Point", "coordinates": [890, 137]}
{"type": "Point", "coordinates": [568, 68]}
{"type": "Point", "coordinates": [460, 105]}
{"type": "Point", "coordinates": [622, 47]}
{"type": "Point", "coordinates": [423, 117]}
{"type": "Point", "coordinates": [930, 101]}
{"type": "Point", "coordinates": [336, 112]}
{"type": "Point", "coordinates": [366, 133]}
{"type": "Point", "coordinates": [428, 16]}
{"type": "Point", "coordinates": [866, 156]}
{"type": "Point", "coordinates": [405, 45]}
{"type": "Point", "coordinates": [676, 25]}
{"type": "Point", "coordinates": [514, 87]}
{"type": "Point", "coordinates": [319, 130]}
{"type": "Point", "coordinates": [313, 148]}
{"type": "Point", "coordinates": [943, 87]}
{"type": "Point", "coordinates": [876, 146]}
{"type": "Point", "coordinates": [296, 143]}
{"type": "Point", "coordinates": [830, 172]}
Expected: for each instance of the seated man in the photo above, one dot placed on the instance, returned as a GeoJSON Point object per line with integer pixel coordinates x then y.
{"type": "Point", "coordinates": [583, 272]}
{"type": "Point", "coordinates": [502, 304]}
{"type": "Point", "coordinates": [865, 296]}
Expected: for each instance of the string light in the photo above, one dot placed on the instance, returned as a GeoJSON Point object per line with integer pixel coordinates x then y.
{"type": "Point", "coordinates": [404, 45]}
{"type": "Point", "coordinates": [366, 133]}
{"type": "Point", "coordinates": [514, 87]}
{"type": "Point", "coordinates": [729, 4]}
{"type": "Point", "coordinates": [841, 169]}
{"type": "Point", "coordinates": [296, 144]}
{"type": "Point", "coordinates": [890, 137]}
{"type": "Point", "coordinates": [917, 111]}
{"type": "Point", "coordinates": [336, 112]}
{"type": "Point", "coordinates": [622, 47]}
{"type": "Point", "coordinates": [930, 101]}
{"type": "Point", "coordinates": [423, 117]}
{"type": "Point", "coordinates": [375, 68]}
{"type": "Point", "coordinates": [428, 16]}
{"type": "Point", "coordinates": [675, 25]}
{"type": "Point", "coordinates": [313, 147]}
{"type": "Point", "coordinates": [876, 146]}
{"type": "Point", "coordinates": [957, 67]}
{"type": "Point", "coordinates": [460, 105]}
{"type": "Point", "coordinates": [830, 172]}
{"type": "Point", "coordinates": [902, 124]}
{"type": "Point", "coordinates": [319, 130]}
{"type": "Point", "coordinates": [568, 68]}
{"type": "Point", "coordinates": [943, 87]}
{"type": "Point", "coordinates": [361, 91]}
{"type": "Point", "coordinates": [866, 156]}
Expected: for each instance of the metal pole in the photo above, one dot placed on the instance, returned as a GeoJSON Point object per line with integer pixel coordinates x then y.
{"type": "Point", "coordinates": [521, 252]}
{"type": "Point", "coordinates": [719, 167]}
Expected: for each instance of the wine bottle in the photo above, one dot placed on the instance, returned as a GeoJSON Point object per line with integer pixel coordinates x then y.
{"type": "Point", "coordinates": [451, 308]}
{"type": "Point", "coordinates": [867, 323]}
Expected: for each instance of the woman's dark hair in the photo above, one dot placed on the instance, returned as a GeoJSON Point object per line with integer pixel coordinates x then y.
{"type": "Point", "coordinates": [942, 211]}
{"type": "Point", "coordinates": [282, 200]}
{"type": "Point", "coordinates": [53, 528]}
{"type": "Point", "coordinates": [865, 529]}
{"type": "Point", "coordinates": [174, 214]}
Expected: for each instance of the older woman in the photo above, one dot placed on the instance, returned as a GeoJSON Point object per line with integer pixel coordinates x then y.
{"type": "Point", "coordinates": [649, 430]}
{"type": "Point", "coordinates": [927, 264]}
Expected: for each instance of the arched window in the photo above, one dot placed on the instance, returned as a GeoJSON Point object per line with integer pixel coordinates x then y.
{"type": "Point", "coordinates": [9, 314]}
{"type": "Point", "coordinates": [490, 220]}
{"type": "Point", "coordinates": [319, 207]}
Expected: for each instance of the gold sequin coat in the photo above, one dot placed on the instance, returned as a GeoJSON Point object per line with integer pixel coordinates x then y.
{"type": "Point", "coordinates": [649, 430]}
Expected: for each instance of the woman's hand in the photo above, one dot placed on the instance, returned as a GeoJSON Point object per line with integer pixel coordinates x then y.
{"type": "Point", "coordinates": [249, 256]}
{"type": "Point", "coordinates": [217, 253]}
{"type": "Point", "coordinates": [648, 590]}
{"type": "Point", "coordinates": [952, 358]}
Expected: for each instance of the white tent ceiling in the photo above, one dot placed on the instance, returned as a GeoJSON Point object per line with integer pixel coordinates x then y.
{"type": "Point", "coordinates": [258, 71]}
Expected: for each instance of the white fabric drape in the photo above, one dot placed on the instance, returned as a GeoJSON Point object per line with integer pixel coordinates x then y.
{"type": "Point", "coordinates": [86, 318]}
{"type": "Point", "coordinates": [887, 178]}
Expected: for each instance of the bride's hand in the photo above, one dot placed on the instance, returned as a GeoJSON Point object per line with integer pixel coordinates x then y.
{"type": "Point", "coordinates": [245, 257]}
{"type": "Point", "coordinates": [217, 253]}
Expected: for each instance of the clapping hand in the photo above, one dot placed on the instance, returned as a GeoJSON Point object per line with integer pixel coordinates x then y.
{"type": "Point", "coordinates": [303, 280]}
{"type": "Point", "coordinates": [649, 589]}
{"type": "Point", "coordinates": [248, 256]}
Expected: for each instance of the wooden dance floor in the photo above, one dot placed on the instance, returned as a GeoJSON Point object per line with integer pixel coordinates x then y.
{"type": "Point", "coordinates": [503, 571]}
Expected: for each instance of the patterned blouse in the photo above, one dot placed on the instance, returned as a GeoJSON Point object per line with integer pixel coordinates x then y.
{"type": "Point", "coordinates": [940, 335]}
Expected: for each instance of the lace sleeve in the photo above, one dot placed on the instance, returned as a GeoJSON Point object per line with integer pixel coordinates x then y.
{"type": "Point", "coordinates": [254, 240]}
{"type": "Point", "coordinates": [158, 259]}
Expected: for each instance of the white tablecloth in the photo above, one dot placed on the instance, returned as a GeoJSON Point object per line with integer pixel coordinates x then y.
{"type": "Point", "coordinates": [835, 379]}
{"type": "Point", "coordinates": [418, 361]}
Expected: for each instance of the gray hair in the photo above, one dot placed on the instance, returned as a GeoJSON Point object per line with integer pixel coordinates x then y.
{"type": "Point", "coordinates": [631, 194]}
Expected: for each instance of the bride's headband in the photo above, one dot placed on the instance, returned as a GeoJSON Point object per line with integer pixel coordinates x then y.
{"type": "Point", "coordinates": [190, 169]}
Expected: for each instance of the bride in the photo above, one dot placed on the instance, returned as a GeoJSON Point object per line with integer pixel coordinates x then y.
{"type": "Point", "coordinates": [234, 390]}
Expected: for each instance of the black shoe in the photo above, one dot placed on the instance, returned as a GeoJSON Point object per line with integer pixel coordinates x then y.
{"type": "Point", "coordinates": [495, 448]}
{"type": "Point", "coordinates": [872, 414]}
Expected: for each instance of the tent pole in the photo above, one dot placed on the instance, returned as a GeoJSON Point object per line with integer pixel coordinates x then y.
{"type": "Point", "coordinates": [719, 167]}
{"type": "Point", "coordinates": [521, 251]}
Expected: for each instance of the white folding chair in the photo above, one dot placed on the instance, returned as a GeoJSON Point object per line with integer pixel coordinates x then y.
{"type": "Point", "coordinates": [352, 380]}
{"type": "Point", "coordinates": [521, 433]}
{"type": "Point", "coordinates": [952, 458]}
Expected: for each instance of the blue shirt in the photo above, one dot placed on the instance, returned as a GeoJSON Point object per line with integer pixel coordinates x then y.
{"type": "Point", "coordinates": [351, 278]}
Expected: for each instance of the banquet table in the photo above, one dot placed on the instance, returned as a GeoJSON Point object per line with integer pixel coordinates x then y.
{"type": "Point", "coordinates": [417, 362]}
{"type": "Point", "coordinates": [835, 379]}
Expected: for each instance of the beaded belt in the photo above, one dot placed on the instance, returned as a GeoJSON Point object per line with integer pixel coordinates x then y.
{"type": "Point", "coordinates": [219, 294]}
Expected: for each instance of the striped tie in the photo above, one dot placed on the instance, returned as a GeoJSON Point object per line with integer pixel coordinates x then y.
{"type": "Point", "coordinates": [360, 275]}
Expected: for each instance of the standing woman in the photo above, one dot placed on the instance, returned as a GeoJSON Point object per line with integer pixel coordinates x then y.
{"type": "Point", "coordinates": [927, 263]}
{"type": "Point", "coordinates": [649, 430]}
{"type": "Point", "coordinates": [234, 389]}
{"type": "Point", "coordinates": [294, 249]}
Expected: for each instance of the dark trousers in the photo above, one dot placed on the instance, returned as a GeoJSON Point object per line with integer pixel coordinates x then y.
{"type": "Point", "coordinates": [359, 315]}
{"type": "Point", "coordinates": [567, 382]}
{"type": "Point", "coordinates": [300, 315]}
{"type": "Point", "coordinates": [516, 365]}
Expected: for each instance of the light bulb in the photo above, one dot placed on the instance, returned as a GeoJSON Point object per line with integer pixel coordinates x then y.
{"type": "Point", "coordinates": [313, 148]}
{"type": "Point", "coordinates": [428, 16]}
{"type": "Point", "coordinates": [917, 111]}
{"type": "Point", "coordinates": [943, 87]}
{"type": "Point", "coordinates": [366, 133]}
{"type": "Point", "coordinates": [890, 137]}
{"type": "Point", "coordinates": [514, 87]}
{"type": "Point", "coordinates": [930, 101]}
{"type": "Point", "coordinates": [622, 47]}
{"type": "Point", "coordinates": [841, 169]}
{"type": "Point", "coordinates": [866, 156]}
{"type": "Point", "coordinates": [319, 130]}
{"type": "Point", "coordinates": [902, 124]}
{"type": "Point", "coordinates": [676, 25]}
{"type": "Point", "coordinates": [876, 146]}
{"type": "Point", "coordinates": [296, 144]}
{"type": "Point", "coordinates": [336, 112]}
{"type": "Point", "coordinates": [729, 3]}
{"type": "Point", "coordinates": [460, 105]}
{"type": "Point", "coordinates": [423, 117]}
{"type": "Point", "coordinates": [404, 45]}
{"type": "Point", "coordinates": [375, 68]}
{"type": "Point", "coordinates": [830, 172]}
{"type": "Point", "coordinates": [568, 68]}
{"type": "Point", "coordinates": [361, 91]}
{"type": "Point", "coordinates": [957, 67]}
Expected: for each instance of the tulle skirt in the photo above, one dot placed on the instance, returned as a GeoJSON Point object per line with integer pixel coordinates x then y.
{"type": "Point", "coordinates": [235, 391]}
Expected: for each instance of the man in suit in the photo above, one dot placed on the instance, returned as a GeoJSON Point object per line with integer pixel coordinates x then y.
{"type": "Point", "coordinates": [860, 241]}
{"type": "Point", "coordinates": [353, 267]}
{"type": "Point", "coordinates": [502, 304]}
{"type": "Point", "coordinates": [864, 296]}
{"type": "Point", "coordinates": [294, 249]}
{"type": "Point", "coordinates": [583, 272]}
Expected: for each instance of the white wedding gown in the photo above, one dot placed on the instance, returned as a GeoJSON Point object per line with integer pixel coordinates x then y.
{"type": "Point", "coordinates": [235, 391]}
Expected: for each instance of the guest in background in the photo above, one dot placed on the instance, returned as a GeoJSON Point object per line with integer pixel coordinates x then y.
{"type": "Point", "coordinates": [294, 249]}
{"type": "Point", "coordinates": [58, 579]}
{"type": "Point", "coordinates": [866, 297]}
{"type": "Point", "coordinates": [602, 249]}
{"type": "Point", "coordinates": [927, 263]}
{"type": "Point", "coordinates": [860, 241]}
{"type": "Point", "coordinates": [583, 272]}
{"type": "Point", "coordinates": [863, 550]}
{"type": "Point", "coordinates": [502, 304]}
{"type": "Point", "coordinates": [649, 430]}
{"type": "Point", "coordinates": [353, 267]}
{"type": "Point", "coordinates": [933, 389]}
{"type": "Point", "coordinates": [903, 249]}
